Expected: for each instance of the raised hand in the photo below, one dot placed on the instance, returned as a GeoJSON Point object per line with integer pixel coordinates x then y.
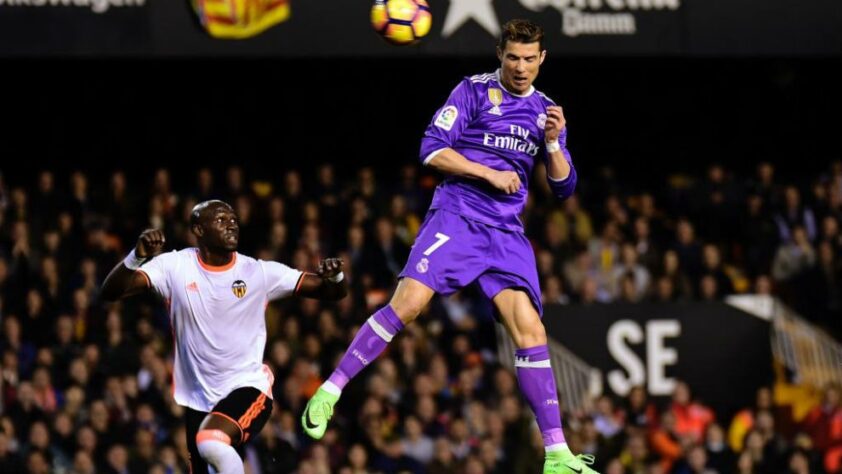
{"type": "Point", "coordinates": [330, 267]}
{"type": "Point", "coordinates": [555, 123]}
{"type": "Point", "coordinates": [150, 243]}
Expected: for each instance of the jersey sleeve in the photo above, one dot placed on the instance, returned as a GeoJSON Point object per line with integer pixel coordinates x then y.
{"type": "Point", "coordinates": [450, 121]}
{"type": "Point", "coordinates": [158, 271]}
{"type": "Point", "coordinates": [562, 188]}
{"type": "Point", "coordinates": [281, 280]}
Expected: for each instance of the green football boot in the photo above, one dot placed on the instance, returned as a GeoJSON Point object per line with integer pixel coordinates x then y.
{"type": "Point", "coordinates": [318, 412]}
{"type": "Point", "coordinates": [564, 462]}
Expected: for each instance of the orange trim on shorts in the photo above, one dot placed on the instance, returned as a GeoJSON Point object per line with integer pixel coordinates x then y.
{"type": "Point", "coordinates": [253, 411]}
{"type": "Point", "coordinates": [222, 268]}
{"type": "Point", "coordinates": [231, 420]}
{"type": "Point", "coordinates": [213, 435]}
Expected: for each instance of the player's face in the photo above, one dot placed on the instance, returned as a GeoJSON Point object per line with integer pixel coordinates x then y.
{"type": "Point", "coordinates": [519, 64]}
{"type": "Point", "coordinates": [221, 229]}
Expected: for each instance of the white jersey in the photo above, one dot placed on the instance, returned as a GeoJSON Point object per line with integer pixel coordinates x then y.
{"type": "Point", "coordinates": [218, 320]}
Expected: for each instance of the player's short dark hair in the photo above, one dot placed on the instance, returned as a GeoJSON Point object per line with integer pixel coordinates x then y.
{"type": "Point", "coordinates": [521, 31]}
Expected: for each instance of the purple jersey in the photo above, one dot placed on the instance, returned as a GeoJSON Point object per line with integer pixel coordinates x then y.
{"type": "Point", "coordinates": [500, 130]}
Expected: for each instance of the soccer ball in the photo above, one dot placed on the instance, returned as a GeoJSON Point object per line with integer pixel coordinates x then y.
{"type": "Point", "coordinates": [401, 21]}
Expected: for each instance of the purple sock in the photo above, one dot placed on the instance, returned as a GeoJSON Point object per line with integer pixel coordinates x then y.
{"type": "Point", "coordinates": [369, 342]}
{"type": "Point", "coordinates": [535, 377]}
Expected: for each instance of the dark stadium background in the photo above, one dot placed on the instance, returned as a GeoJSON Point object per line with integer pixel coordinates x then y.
{"type": "Point", "coordinates": [674, 114]}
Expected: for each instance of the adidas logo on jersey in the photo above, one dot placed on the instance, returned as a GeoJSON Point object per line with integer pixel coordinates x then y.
{"type": "Point", "coordinates": [193, 287]}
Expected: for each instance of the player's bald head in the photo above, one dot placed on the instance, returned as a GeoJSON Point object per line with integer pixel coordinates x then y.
{"type": "Point", "coordinates": [207, 209]}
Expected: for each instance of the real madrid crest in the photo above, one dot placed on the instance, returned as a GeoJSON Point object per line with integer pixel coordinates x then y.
{"type": "Point", "coordinates": [496, 97]}
{"type": "Point", "coordinates": [239, 288]}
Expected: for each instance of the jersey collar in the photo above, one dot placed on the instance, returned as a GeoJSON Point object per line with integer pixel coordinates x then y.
{"type": "Point", "coordinates": [527, 94]}
{"type": "Point", "coordinates": [221, 268]}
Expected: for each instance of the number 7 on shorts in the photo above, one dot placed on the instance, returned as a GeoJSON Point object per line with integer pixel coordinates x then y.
{"type": "Point", "coordinates": [438, 243]}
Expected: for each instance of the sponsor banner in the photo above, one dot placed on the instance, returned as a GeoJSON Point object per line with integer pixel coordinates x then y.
{"type": "Point", "coordinates": [724, 354]}
{"type": "Point", "coordinates": [303, 28]}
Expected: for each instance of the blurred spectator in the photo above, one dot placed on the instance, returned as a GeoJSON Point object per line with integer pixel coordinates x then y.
{"type": "Point", "coordinates": [799, 463]}
{"type": "Point", "coordinates": [744, 420]}
{"type": "Point", "coordinates": [667, 442]}
{"type": "Point", "coordinates": [755, 446]}
{"type": "Point", "coordinates": [691, 417]}
{"type": "Point", "coordinates": [38, 462]}
{"type": "Point", "coordinates": [716, 200]}
{"type": "Point", "coordinates": [635, 455]}
{"type": "Point", "coordinates": [629, 266]}
{"type": "Point", "coordinates": [554, 291]}
{"type": "Point", "coordinates": [758, 235]}
{"type": "Point", "coordinates": [793, 214]}
{"type": "Point", "coordinates": [695, 463]}
{"type": "Point", "coordinates": [389, 254]}
{"type": "Point", "coordinates": [720, 458]}
{"type": "Point", "coordinates": [644, 244]}
{"type": "Point", "coordinates": [824, 425]}
{"type": "Point", "coordinates": [415, 444]}
{"type": "Point", "coordinates": [687, 248]}
{"type": "Point", "coordinates": [10, 463]}
{"type": "Point", "coordinates": [672, 270]}
{"type": "Point", "coordinates": [794, 257]}
{"type": "Point", "coordinates": [712, 265]}
{"type": "Point", "coordinates": [607, 420]}
{"type": "Point", "coordinates": [605, 250]}
{"type": "Point", "coordinates": [819, 296]}
{"type": "Point", "coordinates": [639, 412]}
{"type": "Point", "coordinates": [573, 223]}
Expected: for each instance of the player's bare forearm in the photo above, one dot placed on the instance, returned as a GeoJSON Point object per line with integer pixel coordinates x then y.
{"type": "Point", "coordinates": [558, 167]}
{"type": "Point", "coordinates": [322, 289]}
{"type": "Point", "coordinates": [328, 284]}
{"type": "Point", "coordinates": [124, 281]}
{"type": "Point", "coordinates": [450, 161]}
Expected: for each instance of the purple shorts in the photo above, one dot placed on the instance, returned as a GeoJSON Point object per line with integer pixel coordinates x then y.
{"type": "Point", "coordinates": [452, 252]}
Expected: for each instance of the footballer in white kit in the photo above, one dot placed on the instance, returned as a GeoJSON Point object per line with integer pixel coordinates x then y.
{"type": "Point", "coordinates": [216, 300]}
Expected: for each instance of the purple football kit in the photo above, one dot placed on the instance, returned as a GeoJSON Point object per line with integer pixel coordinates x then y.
{"type": "Point", "coordinates": [472, 231]}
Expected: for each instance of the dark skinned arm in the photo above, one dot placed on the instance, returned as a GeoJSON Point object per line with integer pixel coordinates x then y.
{"type": "Point", "coordinates": [319, 286]}
{"type": "Point", "coordinates": [123, 281]}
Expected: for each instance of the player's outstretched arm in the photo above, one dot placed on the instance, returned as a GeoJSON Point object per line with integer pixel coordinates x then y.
{"type": "Point", "coordinates": [124, 280]}
{"type": "Point", "coordinates": [328, 284]}
{"type": "Point", "coordinates": [450, 161]}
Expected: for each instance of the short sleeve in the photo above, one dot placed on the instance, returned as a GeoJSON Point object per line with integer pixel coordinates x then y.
{"type": "Point", "coordinates": [281, 280]}
{"type": "Point", "coordinates": [158, 271]}
{"type": "Point", "coordinates": [449, 122]}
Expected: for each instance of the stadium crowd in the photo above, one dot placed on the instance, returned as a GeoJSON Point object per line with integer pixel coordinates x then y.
{"type": "Point", "coordinates": [85, 387]}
